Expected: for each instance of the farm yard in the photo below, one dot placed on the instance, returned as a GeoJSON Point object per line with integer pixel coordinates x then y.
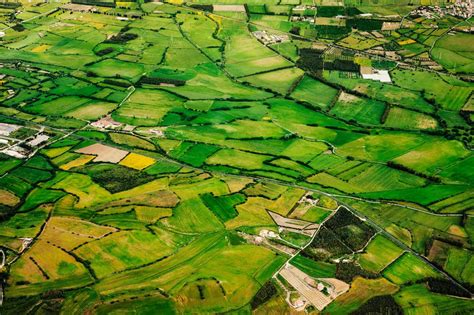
{"type": "Point", "coordinates": [231, 156]}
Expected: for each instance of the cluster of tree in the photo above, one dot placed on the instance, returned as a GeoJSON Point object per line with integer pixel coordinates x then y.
{"type": "Point", "coordinates": [53, 294]}
{"type": "Point", "coordinates": [266, 292]}
{"type": "Point", "coordinates": [464, 134]}
{"type": "Point", "coordinates": [364, 24]}
{"type": "Point", "coordinates": [383, 64]}
{"type": "Point", "coordinates": [342, 224]}
{"type": "Point", "coordinates": [295, 30]}
{"type": "Point", "coordinates": [9, 5]}
{"type": "Point", "coordinates": [310, 59]}
{"type": "Point", "coordinates": [325, 246]}
{"type": "Point", "coordinates": [121, 38]}
{"type": "Point", "coordinates": [347, 271]}
{"type": "Point", "coordinates": [313, 60]}
{"type": "Point", "coordinates": [444, 286]}
{"type": "Point", "coordinates": [203, 7]}
{"type": "Point", "coordinates": [385, 113]}
{"type": "Point", "coordinates": [392, 45]}
{"type": "Point", "coordinates": [384, 304]}
{"type": "Point", "coordinates": [158, 81]}
{"type": "Point", "coordinates": [404, 168]}
{"type": "Point", "coordinates": [94, 2]}
{"type": "Point", "coordinates": [331, 31]}
{"type": "Point", "coordinates": [6, 212]}
{"type": "Point", "coordinates": [18, 27]}
{"type": "Point", "coordinates": [117, 178]}
{"type": "Point", "coordinates": [330, 11]}
{"type": "Point", "coordinates": [104, 51]}
{"type": "Point", "coordinates": [23, 133]}
{"type": "Point", "coordinates": [117, 83]}
{"type": "Point", "coordinates": [342, 65]}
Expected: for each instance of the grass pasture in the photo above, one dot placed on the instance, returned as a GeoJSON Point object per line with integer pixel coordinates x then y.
{"type": "Point", "coordinates": [146, 108]}
{"type": "Point", "coordinates": [223, 206]}
{"type": "Point", "coordinates": [454, 52]}
{"type": "Point", "coordinates": [361, 290]}
{"type": "Point", "coordinates": [365, 111]}
{"type": "Point", "coordinates": [135, 248]}
{"type": "Point", "coordinates": [407, 119]}
{"type": "Point", "coordinates": [408, 268]}
{"type": "Point", "coordinates": [114, 68]}
{"type": "Point", "coordinates": [314, 268]}
{"type": "Point", "coordinates": [379, 253]}
{"type": "Point", "coordinates": [417, 299]}
{"type": "Point", "coordinates": [314, 92]}
{"type": "Point", "coordinates": [280, 80]}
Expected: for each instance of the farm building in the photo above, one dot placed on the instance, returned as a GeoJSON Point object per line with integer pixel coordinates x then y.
{"type": "Point", "coordinates": [370, 73]}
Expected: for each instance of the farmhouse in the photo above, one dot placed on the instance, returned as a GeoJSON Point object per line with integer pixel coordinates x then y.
{"type": "Point", "coordinates": [39, 139]}
{"type": "Point", "coordinates": [318, 292]}
{"type": "Point", "coordinates": [269, 39]}
{"type": "Point", "coordinates": [106, 122]}
{"type": "Point", "coordinates": [370, 73]}
{"type": "Point", "coordinates": [16, 152]}
{"type": "Point", "coordinates": [7, 129]}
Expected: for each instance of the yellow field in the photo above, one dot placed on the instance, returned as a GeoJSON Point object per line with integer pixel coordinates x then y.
{"type": "Point", "coordinates": [361, 290]}
{"type": "Point", "coordinates": [54, 152]}
{"type": "Point", "coordinates": [56, 263]}
{"type": "Point", "coordinates": [137, 161]}
{"type": "Point", "coordinates": [26, 270]}
{"type": "Point", "coordinates": [41, 48]}
{"type": "Point", "coordinates": [152, 214]}
{"type": "Point", "coordinates": [406, 42]}
{"type": "Point", "coordinates": [71, 232]}
{"type": "Point", "coordinates": [84, 159]}
{"type": "Point", "coordinates": [236, 184]}
{"type": "Point", "coordinates": [7, 198]}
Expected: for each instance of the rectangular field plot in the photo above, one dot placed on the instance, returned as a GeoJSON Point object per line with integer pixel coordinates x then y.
{"type": "Point", "coordinates": [146, 107]}
{"type": "Point", "coordinates": [113, 67]}
{"type": "Point", "coordinates": [246, 56]}
{"type": "Point", "coordinates": [104, 153]}
{"type": "Point", "coordinates": [379, 253]}
{"type": "Point", "coordinates": [407, 119]}
{"type": "Point", "coordinates": [137, 161]}
{"type": "Point", "coordinates": [122, 250]}
{"type": "Point", "coordinates": [408, 268]}
{"type": "Point", "coordinates": [314, 92]}
{"type": "Point", "coordinates": [362, 110]}
{"type": "Point", "coordinates": [280, 80]}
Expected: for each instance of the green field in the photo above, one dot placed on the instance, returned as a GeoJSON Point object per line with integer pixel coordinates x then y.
{"type": "Point", "coordinates": [379, 253]}
{"type": "Point", "coordinates": [408, 268]}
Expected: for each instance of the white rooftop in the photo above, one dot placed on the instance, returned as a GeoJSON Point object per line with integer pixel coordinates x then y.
{"type": "Point", "coordinates": [378, 75]}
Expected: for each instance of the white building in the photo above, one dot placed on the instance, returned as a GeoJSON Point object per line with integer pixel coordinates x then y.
{"type": "Point", "coordinates": [38, 140]}
{"type": "Point", "coordinates": [369, 73]}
